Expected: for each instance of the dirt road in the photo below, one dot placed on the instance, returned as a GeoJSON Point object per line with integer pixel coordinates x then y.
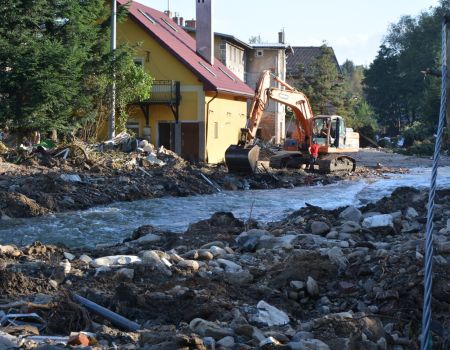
{"type": "Point", "coordinates": [370, 157]}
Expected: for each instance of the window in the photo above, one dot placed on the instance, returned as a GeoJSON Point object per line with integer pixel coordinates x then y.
{"type": "Point", "coordinates": [133, 127]}
{"type": "Point", "coordinates": [216, 130]}
{"type": "Point", "coordinates": [259, 53]}
{"type": "Point", "coordinates": [146, 15]}
{"type": "Point", "coordinates": [169, 24]}
{"type": "Point", "coordinates": [139, 61]}
{"type": "Point", "coordinates": [207, 68]}
{"type": "Point", "coordinates": [226, 73]}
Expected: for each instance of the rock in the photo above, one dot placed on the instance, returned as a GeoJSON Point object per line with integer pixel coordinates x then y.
{"type": "Point", "coordinates": [85, 258]}
{"type": "Point", "coordinates": [125, 273]}
{"type": "Point", "coordinates": [148, 238]}
{"type": "Point", "coordinates": [204, 254]}
{"type": "Point", "coordinates": [210, 343]}
{"type": "Point", "coordinates": [69, 256]}
{"type": "Point", "coordinates": [215, 243]}
{"type": "Point", "coordinates": [209, 329]}
{"type": "Point", "coordinates": [53, 283]}
{"type": "Point", "coordinates": [270, 341]}
{"type": "Point", "coordinates": [297, 285]}
{"type": "Point", "coordinates": [312, 287]}
{"type": "Point", "coordinates": [269, 315]}
{"type": "Point", "coordinates": [229, 266]}
{"type": "Point", "coordinates": [347, 287]}
{"type": "Point", "coordinates": [372, 328]}
{"type": "Point", "coordinates": [217, 251]}
{"type": "Point", "coordinates": [248, 240]}
{"type": "Point", "coordinates": [8, 249]}
{"type": "Point", "coordinates": [443, 247]}
{"type": "Point", "coordinates": [379, 223]}
{"type": "Point", "coordinates": [351, 213]}
{"type": "Point", "coordinates": [189, 264]}
{"type": "Point", "coordinates": [65, 264]}
{"type": "Point", "coordinates": [7, 341]}
{"type": "Point", "coordinates": [227, 342]}
{"type": "Point", "coordinates": [314, 344]}
{"type": "Point", "coordinates": [115, 260]}
{"type": "Point", "coordinates": [296, 346]}
{"type": "Point", "coordinates": [350, 227]}
{"type": "Point", "coordinates": [149, 256]}
{"type": "Point", "coordinates": [302, 335]}
{"type": "Point", "coordinates": [411, 213]}
{"type": "Point", "coordinates": [78, 339]}
{"type": "Point", "coordinates": [319, 228]}
{"type": "Point", "coordinates": [70, 177]}
{"type": "Point", "coordinates": [238, 277]}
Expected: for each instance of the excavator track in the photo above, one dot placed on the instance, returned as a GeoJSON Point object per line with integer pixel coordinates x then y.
{"type": "Point", "coordinates": [336, 164]}
{"type": "Point", "coordinates": [326, 164]}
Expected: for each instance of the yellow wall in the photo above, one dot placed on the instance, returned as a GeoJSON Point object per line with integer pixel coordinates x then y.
{"type": "Point", "coordinates": [227, 111]}
{"type": "Point", "coordinates": [230, 115]}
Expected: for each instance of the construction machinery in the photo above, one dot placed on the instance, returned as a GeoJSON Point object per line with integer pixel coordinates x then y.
{"type": "Point", "coordinates": [329, 131]}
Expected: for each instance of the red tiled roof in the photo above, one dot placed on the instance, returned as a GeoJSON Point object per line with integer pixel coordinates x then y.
{"type": "Point", "coordinates": [215, 77]}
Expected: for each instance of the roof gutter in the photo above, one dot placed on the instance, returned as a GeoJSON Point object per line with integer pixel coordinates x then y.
{"type": "Point", "coordinates": [235, 92]}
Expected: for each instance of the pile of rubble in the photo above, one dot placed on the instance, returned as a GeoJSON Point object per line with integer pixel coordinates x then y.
{"type": "Point", "coordinates": [349, 278]}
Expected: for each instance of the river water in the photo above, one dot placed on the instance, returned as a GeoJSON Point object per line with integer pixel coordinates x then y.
{"type": "Point", "coordinates": [112, 223]}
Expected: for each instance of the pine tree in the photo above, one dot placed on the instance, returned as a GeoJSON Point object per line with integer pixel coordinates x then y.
{"type": "Point", "coordinates": [55, 64]}
{"type": "Point", "coordinates": [323, 84]}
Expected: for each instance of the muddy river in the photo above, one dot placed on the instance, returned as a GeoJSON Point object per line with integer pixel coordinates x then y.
{"type": "Point", "coordinates": [114, 222]}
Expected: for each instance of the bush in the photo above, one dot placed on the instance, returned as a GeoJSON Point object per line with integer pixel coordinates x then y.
{"type": "Point", "coordinates": [416, 132]}
{"type": "Point", "coordinates": [420, 148]}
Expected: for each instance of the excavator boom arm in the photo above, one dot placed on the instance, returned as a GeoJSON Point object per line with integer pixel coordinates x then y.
{"type": "Point", "coordinates": [288, 96]}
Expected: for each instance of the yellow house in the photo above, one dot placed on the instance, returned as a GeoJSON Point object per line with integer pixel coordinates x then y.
{"type": "Point", "coordinates": [197, 106]}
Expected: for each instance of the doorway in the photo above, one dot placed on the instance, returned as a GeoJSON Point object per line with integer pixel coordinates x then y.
{"type": "Point", "coordinates": [166, 135]}
{"type": "Point", "coordinates": [190, 141]}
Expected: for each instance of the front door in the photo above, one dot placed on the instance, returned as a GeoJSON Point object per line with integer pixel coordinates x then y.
{"type": "Point", "coordinates": [190, 141]}
{"type": "Point", "coordinates": [166, 135]}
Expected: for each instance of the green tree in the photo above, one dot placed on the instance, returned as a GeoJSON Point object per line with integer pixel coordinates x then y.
{"type": "Point", "coordinates": [395, 87]}
{"type": "Point", "coordinates": [55, 64]}
{"type": "Point", "coordinates": [323, 85]}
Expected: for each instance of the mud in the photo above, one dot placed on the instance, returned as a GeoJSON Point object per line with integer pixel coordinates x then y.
{"type": "Point", "coordinates": [341, 283]}
{"type": "Point", "coordinates": [37, 187]}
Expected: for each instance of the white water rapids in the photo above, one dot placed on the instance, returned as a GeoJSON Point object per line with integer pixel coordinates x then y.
{"type": "Point", "coordinates": [114, 222]}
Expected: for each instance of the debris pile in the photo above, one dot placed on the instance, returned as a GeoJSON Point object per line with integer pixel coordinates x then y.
{"type": "Point", "coordinates": [37, 180]}
{"type": "Point", "coordinates": [349, 278]}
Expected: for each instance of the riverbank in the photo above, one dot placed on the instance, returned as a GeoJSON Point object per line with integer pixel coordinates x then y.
{"type": "Point", "coordinates": [349, 278]}
{"type": "Point", "coordinates": [38, 187]}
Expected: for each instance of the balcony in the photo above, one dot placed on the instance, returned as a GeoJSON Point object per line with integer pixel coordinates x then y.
{"type": "Point", "coordinates": [165, 92]}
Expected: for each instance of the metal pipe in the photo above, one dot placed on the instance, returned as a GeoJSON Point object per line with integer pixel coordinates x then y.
{"type": "Point", "coordinates": [207, 123]}
{"type": "Point", "coordinates": [112, 116]}
{"type": "Point", "coordinates": [115, 319]}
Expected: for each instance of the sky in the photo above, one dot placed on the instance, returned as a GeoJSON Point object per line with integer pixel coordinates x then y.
{"type": "Point", "coordinates": [354, 28]}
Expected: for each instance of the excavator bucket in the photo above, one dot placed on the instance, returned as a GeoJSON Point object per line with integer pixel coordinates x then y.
{"type": "Point", "coordinates": [242, 160]}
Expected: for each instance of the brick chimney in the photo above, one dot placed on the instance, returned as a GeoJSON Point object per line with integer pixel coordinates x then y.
{"type": "Point", "coordinates": [190, 23]}
{"type": "Point", "coordinates": [205, 33]}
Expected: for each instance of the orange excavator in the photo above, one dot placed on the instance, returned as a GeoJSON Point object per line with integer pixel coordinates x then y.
{"type": "Point", "coordinates": [329, 131]}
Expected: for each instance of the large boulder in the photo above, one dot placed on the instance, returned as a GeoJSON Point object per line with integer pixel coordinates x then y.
{"type": "Point", "coordinates": [269, 315]}
{"type": "Point", "coordinates": [351, 213]}
{"type": "Point", "coordinates": [319, 228]}
{"type": "Point", "coordinates": [383, 223]}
